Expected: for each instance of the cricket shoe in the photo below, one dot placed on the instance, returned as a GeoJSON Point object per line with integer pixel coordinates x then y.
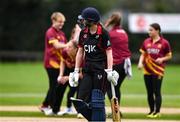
{"type": "Point", "coordinates": [150, 114]}
{"type": "Point", "coordinates": [156, 115]}
{"type": "Point", "coordinates": [44, 108]}
{"type": "Point", "coordinates": [70, 111]}
{"type": "Point", "coordinates": [49, 113]}
{"type": "Point", "coordinates": [153, 115]}
{"type": "Point", "coordinates": [60, 113]}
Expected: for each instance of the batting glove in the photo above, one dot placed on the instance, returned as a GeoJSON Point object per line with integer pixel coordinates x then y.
{"type": "Point", "coordinates": [112, 76]}
{"type": "Point", "coordinates": [73, 78]}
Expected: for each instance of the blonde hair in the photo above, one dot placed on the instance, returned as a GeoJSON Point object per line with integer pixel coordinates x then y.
{"type": "Point", "coordinates": [115, 19]}
{"type": "Point", "coordinates": [55, 15]}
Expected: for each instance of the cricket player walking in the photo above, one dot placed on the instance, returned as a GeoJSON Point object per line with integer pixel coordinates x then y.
{"type": "Point", "coordinates": [95, 44]}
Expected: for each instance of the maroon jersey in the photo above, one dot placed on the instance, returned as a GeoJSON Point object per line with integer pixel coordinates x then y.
{"type": "Point", "coordinates": [69, 60]}
{"type": "Point", "coordinates": [152, 51]}
{"type": "Point", "coordinates": [52, 56]}
{"type": "Point", "coordinates": [119, 44]}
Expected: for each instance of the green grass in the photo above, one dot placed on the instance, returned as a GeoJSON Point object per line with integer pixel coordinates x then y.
{"type": "Point", "coordinates": [27, 83]}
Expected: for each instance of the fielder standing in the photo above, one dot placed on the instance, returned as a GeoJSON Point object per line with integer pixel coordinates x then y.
{"type": "Point", "coordinates": [55, 40]}
{"type": "Point", "coordinates": [120, 51]}
{"type": "Point", "coordinates": [155, 52]}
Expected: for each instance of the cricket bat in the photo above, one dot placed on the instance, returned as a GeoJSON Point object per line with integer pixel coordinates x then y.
{"type": "Point", "coordinates": [114, 102]}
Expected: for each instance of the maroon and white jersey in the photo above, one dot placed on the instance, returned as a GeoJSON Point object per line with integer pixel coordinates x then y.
{"type": "Point", "coordinates": [119, 44]}
{"type": "Point", "coordinates": [52, 56]}
{"type": "Point", "coordinates": [152, 51]}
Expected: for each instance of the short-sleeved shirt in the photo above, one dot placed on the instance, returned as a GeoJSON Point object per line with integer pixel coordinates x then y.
{"type": "Point", "coordinates": [152, 51]}
{"type": "Point", "coordinates": [52, 56]}
{"type": "Point", "coordinates": [95, 45]}
{"type": "Point", "coordinates": [119, 44]}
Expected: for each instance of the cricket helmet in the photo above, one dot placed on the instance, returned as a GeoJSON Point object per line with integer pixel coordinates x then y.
{"type": "Point", "coordinates": [91, 14]}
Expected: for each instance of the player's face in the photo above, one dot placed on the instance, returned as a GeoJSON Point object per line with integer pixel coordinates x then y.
{"type": "Point", "coordinates": [88, 23]}
{"type": "Point", "coordinates": [58, 23]}
{"type": "Point", "coordinates": [152, 32]}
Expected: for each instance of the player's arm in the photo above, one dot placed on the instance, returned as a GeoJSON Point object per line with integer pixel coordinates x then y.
{"type": "Point", "coordinates": [140, 63]}
{"type": "Point", "coordinates": [61, 69]}
{"type": "Point", "coordinates": [61, 72]}
{"type": "Point", "coordinates": [57, 44]}
{"type": "Point", "coordinates": [168, 54]}
{"type": "Point", "coordinates": [74, 76]}
{"type": "Point", "coordinates": [142, 50]}
{"type": "Point", "coordinates": [79, 57]}
{"type": "Point", "coordinates": [164, 59]}
{"type": "Point", "coordinates": [109, 58]}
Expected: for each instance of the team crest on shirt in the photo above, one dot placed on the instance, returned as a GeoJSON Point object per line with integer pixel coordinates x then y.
{"type": "Point", "coordinates": [85, 36]}
{"type": "Point", "coordinates": [159, 45]}
{"type": "Point", "coordinates": [60, 37]}
{"type": "Point", "coordinates": [149, 45]}
{"type": "Point", "coordinates": [99, 76]}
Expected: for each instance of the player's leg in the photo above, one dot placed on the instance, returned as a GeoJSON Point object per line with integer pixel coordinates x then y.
{"type": "Point", "coordinates": [98, 96]}
{"type": "Point", "coordinates": [98, 105]}
{"type": "Point", "coordinates": [84, 93]}
{"type": "Point", "coordinates": [120, 69]}
{"type": "Point", "coordinates": [71, 93]}
{"type": "Point", "coordinates": [157, 90]}
{"type": "Point", "coordinates": [46, 100]}
{"type": "Point", "coordinates": [52, 76]}
{"type": "Point", "coordinates": [58, 97]}
{"type": "Point", "coordinates": [149, 89]}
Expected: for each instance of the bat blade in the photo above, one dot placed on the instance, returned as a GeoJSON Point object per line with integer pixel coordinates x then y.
{"type": "Point", "coordinates": [115, 110]}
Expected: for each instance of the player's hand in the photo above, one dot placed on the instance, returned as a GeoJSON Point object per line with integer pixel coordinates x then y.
{"type": "Point", "coordinates": [140, 66]}
{"type": "Point", "coordinates": [59, 78]}
{"type": "Point", "coordinates": [112, 76]}
{"type": "Point", "coordinates": [73, 78]}
{"type": "Point", "coordinates": [62, 79]}
{"type": "Point", "coordinates": [159, 60]}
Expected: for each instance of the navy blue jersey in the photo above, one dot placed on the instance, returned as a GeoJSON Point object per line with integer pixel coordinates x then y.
{"type": "Point", "coordinates": [95, 45]}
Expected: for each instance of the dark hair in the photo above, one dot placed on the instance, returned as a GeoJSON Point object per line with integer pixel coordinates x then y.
{"type": "Point", "coordinates": [156, 26]}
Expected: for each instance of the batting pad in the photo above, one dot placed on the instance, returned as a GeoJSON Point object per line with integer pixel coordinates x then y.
{"type": "Point", "coordinates": [98, 106]}
{"type": "Point", "coordinates": [82, 107]}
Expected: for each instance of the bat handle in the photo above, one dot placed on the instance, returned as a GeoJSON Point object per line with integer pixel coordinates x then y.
{"type": "Point", "coordinates": [113, 90]}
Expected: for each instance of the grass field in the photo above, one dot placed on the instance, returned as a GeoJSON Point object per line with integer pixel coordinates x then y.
{"type": "Point", "coordinates": [27, 83]}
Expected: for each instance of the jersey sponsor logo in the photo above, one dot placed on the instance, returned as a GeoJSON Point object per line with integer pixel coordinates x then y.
{"type": "Point", "coordinates": [90, 48]}
{"type": "Point", "coordinates": [153, 51]}
{"type": "Point", "coordinates": [58, 37]}
{"type": "Point", "coordinates": [85, 36]}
